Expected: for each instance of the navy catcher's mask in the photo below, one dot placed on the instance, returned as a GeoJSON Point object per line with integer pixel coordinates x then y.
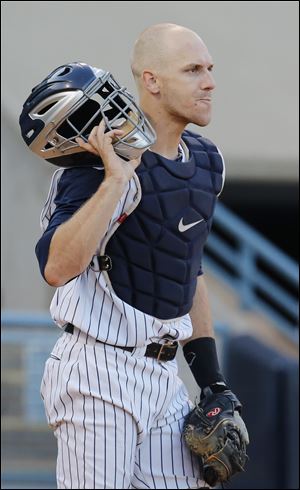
{"type": "Point", "coordinates": [69, 103]}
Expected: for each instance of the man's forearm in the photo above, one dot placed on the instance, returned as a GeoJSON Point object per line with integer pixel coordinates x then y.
{"type": "Point", "coordinates": [201, 313]}
{"type": "Point", "coordinates": [200, 349]}
{"type": "Point", "coordinates": [75, 241]}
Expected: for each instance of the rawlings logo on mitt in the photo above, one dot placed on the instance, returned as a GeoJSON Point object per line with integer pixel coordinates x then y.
{"type": "Point", "coordinates": [215, 431]}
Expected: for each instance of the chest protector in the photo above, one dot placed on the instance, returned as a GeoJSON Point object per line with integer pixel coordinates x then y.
{"type": "Point", "coordinates": [156, 252]}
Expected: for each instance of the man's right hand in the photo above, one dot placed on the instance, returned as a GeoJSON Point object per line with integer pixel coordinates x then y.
{"type": "Point", "coordinates": [101, 144]}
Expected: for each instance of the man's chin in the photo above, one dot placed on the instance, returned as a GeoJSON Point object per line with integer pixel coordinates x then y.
{"type": "Point", "coordinates": [201, 121]}
{"type": "Point", "coordinates": [198, 121]}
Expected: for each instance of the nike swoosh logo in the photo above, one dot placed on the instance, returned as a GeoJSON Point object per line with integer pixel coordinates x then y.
{"type": "Point", "coordinates": [182, 227]}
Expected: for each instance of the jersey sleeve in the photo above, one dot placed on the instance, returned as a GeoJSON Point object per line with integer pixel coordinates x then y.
{"type": "Point", "coordinates": [74, 188]}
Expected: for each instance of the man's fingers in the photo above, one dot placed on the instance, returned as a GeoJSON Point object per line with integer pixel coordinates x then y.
{"type": "Point", "coordinates": [93, 133]}
{"type": "Point", "coordinates": [97, 139]}
{"type": "Point", "coordinates": [102, 125]}
{"type": "Point", "coordinates": [86, 146]}
{"type": "Point", "coordinates": [109, 135]}
{"type": "Point", "coordinates": [98, 131]}
{"type": "Point", "coordinates": [80, 142]}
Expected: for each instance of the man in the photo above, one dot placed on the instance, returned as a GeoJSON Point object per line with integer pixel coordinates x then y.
{"type": "Point", "coordinates": [110, 386]}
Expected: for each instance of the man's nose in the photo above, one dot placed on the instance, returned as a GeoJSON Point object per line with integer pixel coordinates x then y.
{"type": "Point", "coordinates": [208, 82]}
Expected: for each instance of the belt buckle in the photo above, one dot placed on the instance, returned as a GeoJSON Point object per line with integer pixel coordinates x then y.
{"type": "Point", "coordinates": [168, 343]}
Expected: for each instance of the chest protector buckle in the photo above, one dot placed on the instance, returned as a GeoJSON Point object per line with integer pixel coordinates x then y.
{"type": "Point", "coordinates": [105, 262]}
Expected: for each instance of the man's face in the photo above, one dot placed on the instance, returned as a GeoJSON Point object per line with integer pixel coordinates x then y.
{"type": "Point", "coordinates": [186, 84]}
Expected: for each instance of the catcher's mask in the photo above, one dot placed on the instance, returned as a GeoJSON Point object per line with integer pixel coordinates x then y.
{"type": "Point", "coordinates": [72, 100]}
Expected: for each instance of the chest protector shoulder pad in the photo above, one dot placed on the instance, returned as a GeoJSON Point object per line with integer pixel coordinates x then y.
{"type": "Point", "coordinates": [156, 252]}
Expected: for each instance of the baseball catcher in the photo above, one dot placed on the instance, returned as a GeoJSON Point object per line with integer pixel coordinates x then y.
{"type": "Point", "coordinates": [124, 227]}
{"type": "Point", "coordinates": [214, 430]}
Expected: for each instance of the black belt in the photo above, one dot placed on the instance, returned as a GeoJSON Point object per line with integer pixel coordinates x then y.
{"type": "Point", "coordinates": [161, 352]}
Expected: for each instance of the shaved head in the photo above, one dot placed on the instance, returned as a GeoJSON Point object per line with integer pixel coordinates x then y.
{"type": "Point", "coordinates": [157, 46]}
{"type": "Point", "coordinates": [172, 68]}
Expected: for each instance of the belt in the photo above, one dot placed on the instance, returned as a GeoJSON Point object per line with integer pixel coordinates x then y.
{"type": "Point", "coordinates": [161, 352]}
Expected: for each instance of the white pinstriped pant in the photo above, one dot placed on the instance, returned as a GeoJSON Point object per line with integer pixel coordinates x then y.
{"type": "Point", "coordinates": [117, 417]}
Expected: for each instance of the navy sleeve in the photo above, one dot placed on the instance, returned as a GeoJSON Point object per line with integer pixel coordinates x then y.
{"type": "Point", "coordinates": [75, 187]}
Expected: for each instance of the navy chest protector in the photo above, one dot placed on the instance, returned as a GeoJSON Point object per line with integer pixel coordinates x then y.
{"type": "Point", "coordinates": [156, 252]}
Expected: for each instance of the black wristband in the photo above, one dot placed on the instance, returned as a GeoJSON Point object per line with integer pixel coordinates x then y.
{"type": "Point", "coordinates": [201, 356]}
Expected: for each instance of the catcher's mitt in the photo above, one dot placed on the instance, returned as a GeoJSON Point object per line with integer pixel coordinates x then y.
{"type": "Point", "coordinates": [215, 431]}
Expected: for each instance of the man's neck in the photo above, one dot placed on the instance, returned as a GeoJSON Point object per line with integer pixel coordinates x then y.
{"type": "Point", "coordinates": [168, 134]}
{"type": "Point", "coordinates": [163, 147]}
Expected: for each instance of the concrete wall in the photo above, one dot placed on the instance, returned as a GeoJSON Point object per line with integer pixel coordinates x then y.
{"type": "Point", "coordinates": [255, 49]}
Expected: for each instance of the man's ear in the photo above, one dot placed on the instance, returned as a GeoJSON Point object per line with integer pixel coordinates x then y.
{"type": "Point", "coordinates": [151, 82]}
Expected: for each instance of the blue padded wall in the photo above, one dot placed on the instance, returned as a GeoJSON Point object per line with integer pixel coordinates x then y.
{"type": "Point", "coordinates": [266, 382]}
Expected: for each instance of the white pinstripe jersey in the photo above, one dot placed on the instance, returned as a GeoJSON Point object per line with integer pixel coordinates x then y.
{"type": "Point", "coordinates": [89, 302]}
